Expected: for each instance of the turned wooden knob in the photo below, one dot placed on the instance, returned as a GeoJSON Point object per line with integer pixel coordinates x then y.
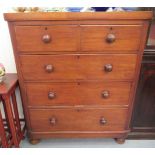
{"type": "Point", "coordinates": [110, 38]}
{"type": "Point", "coordinates": [51, 95]}
{"type": "Point", "coordinates": [53, 121]}
{"type": "Point", "coordinates": [105, 94]}
{"type": "Point", "coordinates": [46, 38]}
{"type": "Point", "coordinates": [108, 67]}
{"type": "Point", "coordinates": [103, 121]}
{"type": "Point", "coordinates": [49, 68]}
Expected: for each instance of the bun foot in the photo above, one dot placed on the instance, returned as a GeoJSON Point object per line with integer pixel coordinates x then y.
{"type": "Point", "coordinates": [34, 141]}
{"type": "Point", "coordinates": [120, 140]}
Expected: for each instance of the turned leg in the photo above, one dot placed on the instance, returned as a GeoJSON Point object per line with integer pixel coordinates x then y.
{"type": "Point", "coordinates": [34, 141]}
{"type": "Point", "coordinates": [120, 140]}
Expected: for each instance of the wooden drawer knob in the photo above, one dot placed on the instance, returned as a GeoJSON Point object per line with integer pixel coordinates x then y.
{"type": "Point", "coordinates": [49, 68]}
{"type": "Point", "coordinates": [103, 121]}
{"type": "Point", "coordinates": [108, 67]}
{"type": "Point", "coordinates": [46, 38]}
{"type": "Point", "coordinates": [51, 95]}
{"type": "Point", "coordinates": [105, 94]}
{"type": "Point", "coordinates": [110, 38]}
{"type": "Point", "coordinates": [53, 121]}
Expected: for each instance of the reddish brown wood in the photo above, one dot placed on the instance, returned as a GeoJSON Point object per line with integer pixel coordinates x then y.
{"type": "Point", "coordinates": [7, 90]}
{"type": "Point", "coordinates": [51, 95]}
{"type": "Point", "coordinates": [110, 38]}
{"type": "Point", "coordinates": [94, 37]}
{"type": "Point", "coordinates": [21, 82]}
{"type": "Point", "coordinates": [16, 115]}
{"type": "Point", "coordinates": [62, 79]}
{"type": "Point", "coordinates": [3, 135]}
{"type": "Point", "coordinates": [37, 16]}
{"type": "Point", "coordinates": [11, 120]}
{"type": "Point", "coordinates": [106, 94]}
{"type": "Point", "coordinates": [58, 41]}
{"type": "Point", "coordinates": [49, 68]}
{"type": "Point", "coordinates": [78, 134]}
{"type": "Point", "coordinates": [80, 22]}
{"type": "Point", "coordinates": [83, 93]}
{"type": "Point", "coordinates": [60, 38]}
{"type": "Point", "coordinates": [46, 38]}
{"type": "Point", "coordinates": [9, 83]}
{"type": "Point", "coordinates": [108, 67]}
{"type": "Point", "coordinates": [78, 119]}
{"type": "Point", "coordinates": [74, 67]}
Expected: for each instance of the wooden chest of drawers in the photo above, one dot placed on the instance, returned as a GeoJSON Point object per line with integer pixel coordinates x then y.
{"type": "Point", "coordinates": [78, 71]}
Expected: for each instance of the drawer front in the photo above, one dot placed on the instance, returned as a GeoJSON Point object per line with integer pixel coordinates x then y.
{"type": "Point", "coordinates": [46, 38]}
{"type": "Point", "coordinates": [43, 120]}
{"type": "Point", "coordinates": [110, 38]}
{"type": "Point", "coordinates": [51, 67]}
{"type": "Point", "coordinates": [81, 93]}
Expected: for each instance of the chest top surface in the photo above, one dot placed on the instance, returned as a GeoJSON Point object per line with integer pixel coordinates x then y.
{"type": "Point", "coordinates": [138, 15]}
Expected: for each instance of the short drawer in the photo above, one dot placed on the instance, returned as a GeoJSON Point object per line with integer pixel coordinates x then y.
{"type": "Point", "coordinates": [110, 38]}
{"type": "Point", "coordinates": [67, 67]}
{"type": "Point", "coordinates": [46, 120]}
{"type": "Point", "coordinates": [81, 93]}
{"type": "Point", "coordinates": [46, 38]}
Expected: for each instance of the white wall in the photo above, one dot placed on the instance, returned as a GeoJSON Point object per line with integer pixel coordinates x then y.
{"type": "Point", "coordinates": [6, 53]}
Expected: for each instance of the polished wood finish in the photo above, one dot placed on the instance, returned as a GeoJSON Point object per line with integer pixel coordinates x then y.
{"type": "Point", "coordinates": [65, 38]}
{"type": "Point", "coordinates": [80, 78]}
{"type": "Point", "coordinates": [110, 38]}
{"type": "Point", "coordinates": [78, 119]}
{"type": "Point", "coordinates": [47, 38]}
{"type": "Point", "coordinates": [60, 16]}
{"type": "Point", "coordinates": [83, 93]}
{"type": "Point", "coordinates": [7, 91]}
{"type": "Point", "coordinates": [79, 67]}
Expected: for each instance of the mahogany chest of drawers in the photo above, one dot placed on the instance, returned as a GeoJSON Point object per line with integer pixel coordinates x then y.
{"type": "Point", "coordinates": [78, 72]}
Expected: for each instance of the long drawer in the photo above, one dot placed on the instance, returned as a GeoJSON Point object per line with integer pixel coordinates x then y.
{"type": "Point", "coordinates": [67, 67]}
{"type": "Point", "coordinates": [46, 120]}
{"type": "Point", "coordinates": [81, 93]}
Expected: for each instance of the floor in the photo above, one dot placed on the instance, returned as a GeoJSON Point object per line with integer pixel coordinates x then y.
{"type": "Point", "coordinates": [88, 143]}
